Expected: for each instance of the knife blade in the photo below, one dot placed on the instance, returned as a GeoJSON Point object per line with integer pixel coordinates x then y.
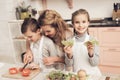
{"type": "Point", "coordinates": [25, 66]}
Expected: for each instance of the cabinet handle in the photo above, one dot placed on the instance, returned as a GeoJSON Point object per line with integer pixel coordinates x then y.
{"type": "Point", "coordinates": [112, 49]}
{"type": "Point", "coordinates": [111, 29]}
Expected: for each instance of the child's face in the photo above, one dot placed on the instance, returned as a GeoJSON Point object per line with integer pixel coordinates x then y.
{"type": "Point", "coordinates": [49, 31]}
{"type": "Point", "coordinates": [32, 36]}
{"type": "Point", "coordinates": [81, 23]}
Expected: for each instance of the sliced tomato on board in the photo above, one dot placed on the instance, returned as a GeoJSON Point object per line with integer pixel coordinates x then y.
{"type": "Point", "coordinates": [26, 72]}
{"type": "Point", "coordinates": [13, 70]}
{"type": "Point", "coordinates": [20, 69]}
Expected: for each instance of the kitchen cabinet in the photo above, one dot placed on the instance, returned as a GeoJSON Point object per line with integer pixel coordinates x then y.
{"type": "Point", "coordinates": [109, 43]}
{"type": "Point", "coordinates": [93, 31]}
{"type": "Point", "coordinates": [110, 56]}
{"type": "Point", "coordinates": [17, 39]}
{"type": "Point", "coordinates": [109, 36]}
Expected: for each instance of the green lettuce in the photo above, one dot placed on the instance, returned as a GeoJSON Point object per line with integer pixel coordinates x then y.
{"type": "Point", "coordinates": [68, 42]}
{"type": "Point", "coordinates": [92, 41]}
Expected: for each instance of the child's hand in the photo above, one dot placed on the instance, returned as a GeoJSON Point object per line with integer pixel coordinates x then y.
{"type": "Point", "coordinates": [68, 51]}
{"type": "Point", "coordinates": [68, 47]}
{"type": "Point", "coordinates": [90, 48]}
{"type": "Point", "coordinates": [33, 65]}
{"type": "Point", "coordinates": [92, 41]}
{"type": "Point", "coordinates": [28, 57]}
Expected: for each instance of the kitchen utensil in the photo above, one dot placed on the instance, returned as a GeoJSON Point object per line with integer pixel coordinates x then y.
{"type": "Point", "coordinates": [25, 66]}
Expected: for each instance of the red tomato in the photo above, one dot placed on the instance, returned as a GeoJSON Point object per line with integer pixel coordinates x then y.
{"type": "Point", "coordinates": [26, 72]}
{"type": "Point", "coordinates": [13, 70]}
{"type": "Point", "coordinates": [20, 69]}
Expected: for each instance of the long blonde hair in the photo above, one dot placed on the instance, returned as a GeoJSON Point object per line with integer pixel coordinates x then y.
{"type": "Point", "coordinates": [53, 18]}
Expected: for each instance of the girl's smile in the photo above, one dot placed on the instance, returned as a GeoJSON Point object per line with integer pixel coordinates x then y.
{"type": "Point", "coordinates": [81, 23]}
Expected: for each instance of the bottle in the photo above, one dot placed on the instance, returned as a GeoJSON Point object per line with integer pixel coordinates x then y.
{"type": "Point", "coordinates": [17, 14]}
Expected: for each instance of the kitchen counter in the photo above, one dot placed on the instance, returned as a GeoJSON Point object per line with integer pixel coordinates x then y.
{"type": "Point", "coordinates": [41, 75]}
{"type": "Point", "coordinates": [105, 24]}
{"type": "Point", "coordinates": [100, 23]}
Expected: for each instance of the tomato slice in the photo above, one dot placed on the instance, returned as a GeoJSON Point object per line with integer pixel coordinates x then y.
{"type": "Point", "coordinates": [20, 69]}
{"type": "Point", "coordinates": [26, 72]}
{"type": "Point", "coordinates": [13, 70]}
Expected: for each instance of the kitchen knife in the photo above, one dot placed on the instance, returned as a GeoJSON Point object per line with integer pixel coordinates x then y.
{"type": "Point", "coordinates": [24, 66]}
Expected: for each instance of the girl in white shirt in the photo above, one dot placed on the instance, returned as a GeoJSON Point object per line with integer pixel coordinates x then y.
{"type": "Point", "coordinates": [79, 55]}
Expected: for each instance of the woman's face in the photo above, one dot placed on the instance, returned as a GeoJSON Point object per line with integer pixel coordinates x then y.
{"type": "Point", "coordinates": [32, 36]}
{"type": "Point", "coordinates": [81, 23]}
{"type": "Point", "coordinates": [49, 31]}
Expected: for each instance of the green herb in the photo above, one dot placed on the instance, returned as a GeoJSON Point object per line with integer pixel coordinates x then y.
{"type": "Point", "coordinates": [92, 41]}
{"type": "Point", "coordinates": [23, 7]}
{"type": "Point", "coordinates": [59, 75]}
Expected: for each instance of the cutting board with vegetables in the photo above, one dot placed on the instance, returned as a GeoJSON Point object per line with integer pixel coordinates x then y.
{"type": "Point", "coordinates": [19, 75]}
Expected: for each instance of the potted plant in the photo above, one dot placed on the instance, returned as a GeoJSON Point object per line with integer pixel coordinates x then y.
{"type": "Point", "coordinates": [23, 10]}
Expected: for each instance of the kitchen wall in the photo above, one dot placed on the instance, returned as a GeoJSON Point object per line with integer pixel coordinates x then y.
{"type": "Point", "coordinates": [6, 13]}
{"type": "Point", "coordinates": [96, 8]}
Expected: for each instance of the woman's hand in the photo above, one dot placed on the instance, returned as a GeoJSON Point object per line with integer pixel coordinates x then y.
{"type": "Point", "coordinates": [28, 57]}
{"type": "Point", "coordinates": [48, 60]}
{"type": "Point", "coordinates": [90, 48]}
{"type": "Point", "coordinates": [68, 51]}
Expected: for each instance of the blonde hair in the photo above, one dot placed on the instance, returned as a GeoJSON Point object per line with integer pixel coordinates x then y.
{"type": "Point", "coordinates": [53, 18]}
